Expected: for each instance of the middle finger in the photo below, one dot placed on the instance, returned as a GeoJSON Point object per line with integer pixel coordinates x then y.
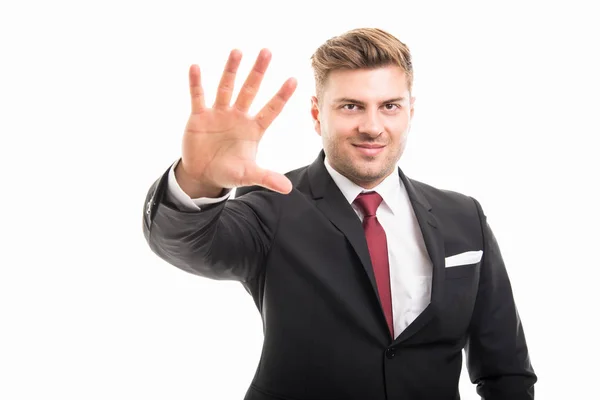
{"type": "Point", "coordinates": [250, 87]}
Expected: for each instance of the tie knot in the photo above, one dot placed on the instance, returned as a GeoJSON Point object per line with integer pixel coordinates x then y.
{"type": "Point", "coordinates": [368, 203]}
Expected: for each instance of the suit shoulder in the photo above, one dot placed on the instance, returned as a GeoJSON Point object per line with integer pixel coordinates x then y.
{"type": "Point", "coordinates": [297, 175]}
{"type": "Point", "coordinates": [459, 215]}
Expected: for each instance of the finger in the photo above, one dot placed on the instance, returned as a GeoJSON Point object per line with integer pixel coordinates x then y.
{"type": "Point", "coordinates": [271, 110]}
{"type": "Point", "coordinates": [252, 83]}
{"type": "Point", "coordinates": [196, 91]}
{"type": "Point", "coordinates": [254, 175]}
{"type": "Point", "coordinates": [225, 89]}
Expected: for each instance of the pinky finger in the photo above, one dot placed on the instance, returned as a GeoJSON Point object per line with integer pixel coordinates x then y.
{"type": "Point", "coordinates": [196, 91]}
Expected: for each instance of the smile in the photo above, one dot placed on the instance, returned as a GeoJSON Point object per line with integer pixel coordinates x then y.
{"type": "Point", "coordinates": [369, 150]}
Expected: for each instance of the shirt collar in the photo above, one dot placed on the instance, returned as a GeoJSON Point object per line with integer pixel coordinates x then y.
{"type": "Point", "coordinates": [388, 189]}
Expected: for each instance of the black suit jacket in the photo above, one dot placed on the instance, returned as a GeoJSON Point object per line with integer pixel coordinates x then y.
{"type": "Point", "coordinates": [304, 259]}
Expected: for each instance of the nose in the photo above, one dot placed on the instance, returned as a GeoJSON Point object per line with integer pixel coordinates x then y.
{"type": "Point", "coordinates": [371, 124]}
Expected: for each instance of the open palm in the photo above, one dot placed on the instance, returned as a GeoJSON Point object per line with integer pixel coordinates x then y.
{"type": "Point", "coordinates": [220, 143]}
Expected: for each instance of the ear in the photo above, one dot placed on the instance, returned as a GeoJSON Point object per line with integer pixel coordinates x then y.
{"type": "Point", "coordinates": [412, 106]}
{"type": "Point", "coordinates": [314, 112]}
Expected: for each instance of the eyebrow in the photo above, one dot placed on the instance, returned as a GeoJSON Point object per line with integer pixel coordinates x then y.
{"type": "Point", "coordinates": [361, 103]}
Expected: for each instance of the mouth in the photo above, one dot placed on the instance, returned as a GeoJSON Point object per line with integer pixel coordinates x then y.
{"type": "Point", "coordinates": [369, 149]}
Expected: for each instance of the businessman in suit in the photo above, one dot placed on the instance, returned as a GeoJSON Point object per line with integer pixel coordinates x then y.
{"type": "Point", "coordinates": [369, 284]}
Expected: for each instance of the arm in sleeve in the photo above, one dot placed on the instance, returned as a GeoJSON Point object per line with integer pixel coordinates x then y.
{"type": "Point", "coordinates": [226, 240]}
{"type": "Point", "coordinates": [497, 355]}
{"type": "Point", "coordinates": [182, 201]}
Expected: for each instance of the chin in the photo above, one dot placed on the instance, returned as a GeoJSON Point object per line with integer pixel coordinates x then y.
{"type": "Point", "coordinates": [368, 175]}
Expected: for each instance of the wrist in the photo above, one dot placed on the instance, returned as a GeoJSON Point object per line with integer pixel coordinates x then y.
{"type": "Point", "coordinates": [193, 187]}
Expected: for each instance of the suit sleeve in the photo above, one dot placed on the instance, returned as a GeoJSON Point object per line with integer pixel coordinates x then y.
{"type": "Point", "coordinates": [228, 240]}
{"type": "Point", "coordinates": [496, 350]}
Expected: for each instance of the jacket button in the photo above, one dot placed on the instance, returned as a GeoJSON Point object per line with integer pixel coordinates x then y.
{"type": "Point", "coordinates": [390, 353]}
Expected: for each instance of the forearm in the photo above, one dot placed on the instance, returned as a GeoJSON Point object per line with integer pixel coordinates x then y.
{"type": "Point", "coordinates": [227, 240]}
{"type": "Point", "coordinates": [186, 240]}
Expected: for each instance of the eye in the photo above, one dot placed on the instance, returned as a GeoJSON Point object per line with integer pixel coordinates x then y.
{"type": "Point", "coordinates": [392, 106]}
{"type": "Point", "coordinates": [350, 107]}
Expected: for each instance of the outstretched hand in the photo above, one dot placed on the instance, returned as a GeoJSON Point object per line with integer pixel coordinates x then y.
{"type": "Point", "coordinates": [220, 143]}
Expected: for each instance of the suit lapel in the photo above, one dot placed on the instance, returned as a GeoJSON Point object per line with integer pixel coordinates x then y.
{"type": "Point", "coordinates": [333, 204]}
{"type": "Point", "coordinates": [434, 242]}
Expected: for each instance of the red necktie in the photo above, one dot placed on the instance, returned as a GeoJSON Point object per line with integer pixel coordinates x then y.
{"type": "Point", "coordinates": [377, 243]}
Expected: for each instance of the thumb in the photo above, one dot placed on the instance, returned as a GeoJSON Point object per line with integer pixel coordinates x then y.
{"type": "Point", "coordinates": [271, 180]}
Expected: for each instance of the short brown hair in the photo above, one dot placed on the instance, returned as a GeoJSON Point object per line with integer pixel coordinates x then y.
{"type": "Point", "coordinates": [357, 49]}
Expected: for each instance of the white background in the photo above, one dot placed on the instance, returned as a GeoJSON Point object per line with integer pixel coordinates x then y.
{"type": "Point", "coordinates": [94, 100]}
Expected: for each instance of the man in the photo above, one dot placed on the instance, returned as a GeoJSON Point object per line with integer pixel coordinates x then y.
{"type": "Point", "coordinates": [369, 283]}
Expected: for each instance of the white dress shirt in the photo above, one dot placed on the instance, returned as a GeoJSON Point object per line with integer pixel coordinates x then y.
{"type": "Point", "coordinates": [410, 266]}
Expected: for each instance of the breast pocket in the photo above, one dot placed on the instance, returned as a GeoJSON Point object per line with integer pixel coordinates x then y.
{"type": "Point", "coordinates": [460, 291]}
{"type": "Point", "coordinates": [461, 271]}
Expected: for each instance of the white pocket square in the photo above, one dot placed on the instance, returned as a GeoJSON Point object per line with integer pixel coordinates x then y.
{"type": "Point", "coordinates": [468, 257]}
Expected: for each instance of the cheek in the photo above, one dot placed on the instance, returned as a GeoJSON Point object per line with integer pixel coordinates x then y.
{"type": "Point", "coordinates": [399, 131]}
{"type": "Point", "coordinates": [341, 129]}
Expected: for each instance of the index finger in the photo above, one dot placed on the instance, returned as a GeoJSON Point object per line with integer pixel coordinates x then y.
{"type": "Point", "coordinates": [271, 110]}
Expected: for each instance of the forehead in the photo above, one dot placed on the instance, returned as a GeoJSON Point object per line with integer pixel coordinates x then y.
{"type": "Point", "coordinates": [365, 84]}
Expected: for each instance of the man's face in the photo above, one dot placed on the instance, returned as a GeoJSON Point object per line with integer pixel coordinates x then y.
{"type": "Point", "coordinates": [364, 119]}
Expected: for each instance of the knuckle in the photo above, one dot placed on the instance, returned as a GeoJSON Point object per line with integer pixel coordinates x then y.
{"type": "Point", "coordinates": [261, 121]}
{"type": "Point", "coordinates": [249, 90]}
{"type": "Point", "coordinates": [272, 108]}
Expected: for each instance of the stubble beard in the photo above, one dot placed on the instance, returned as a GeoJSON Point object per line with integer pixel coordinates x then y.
{"type": "Point", "coordinates": [364, 171]}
